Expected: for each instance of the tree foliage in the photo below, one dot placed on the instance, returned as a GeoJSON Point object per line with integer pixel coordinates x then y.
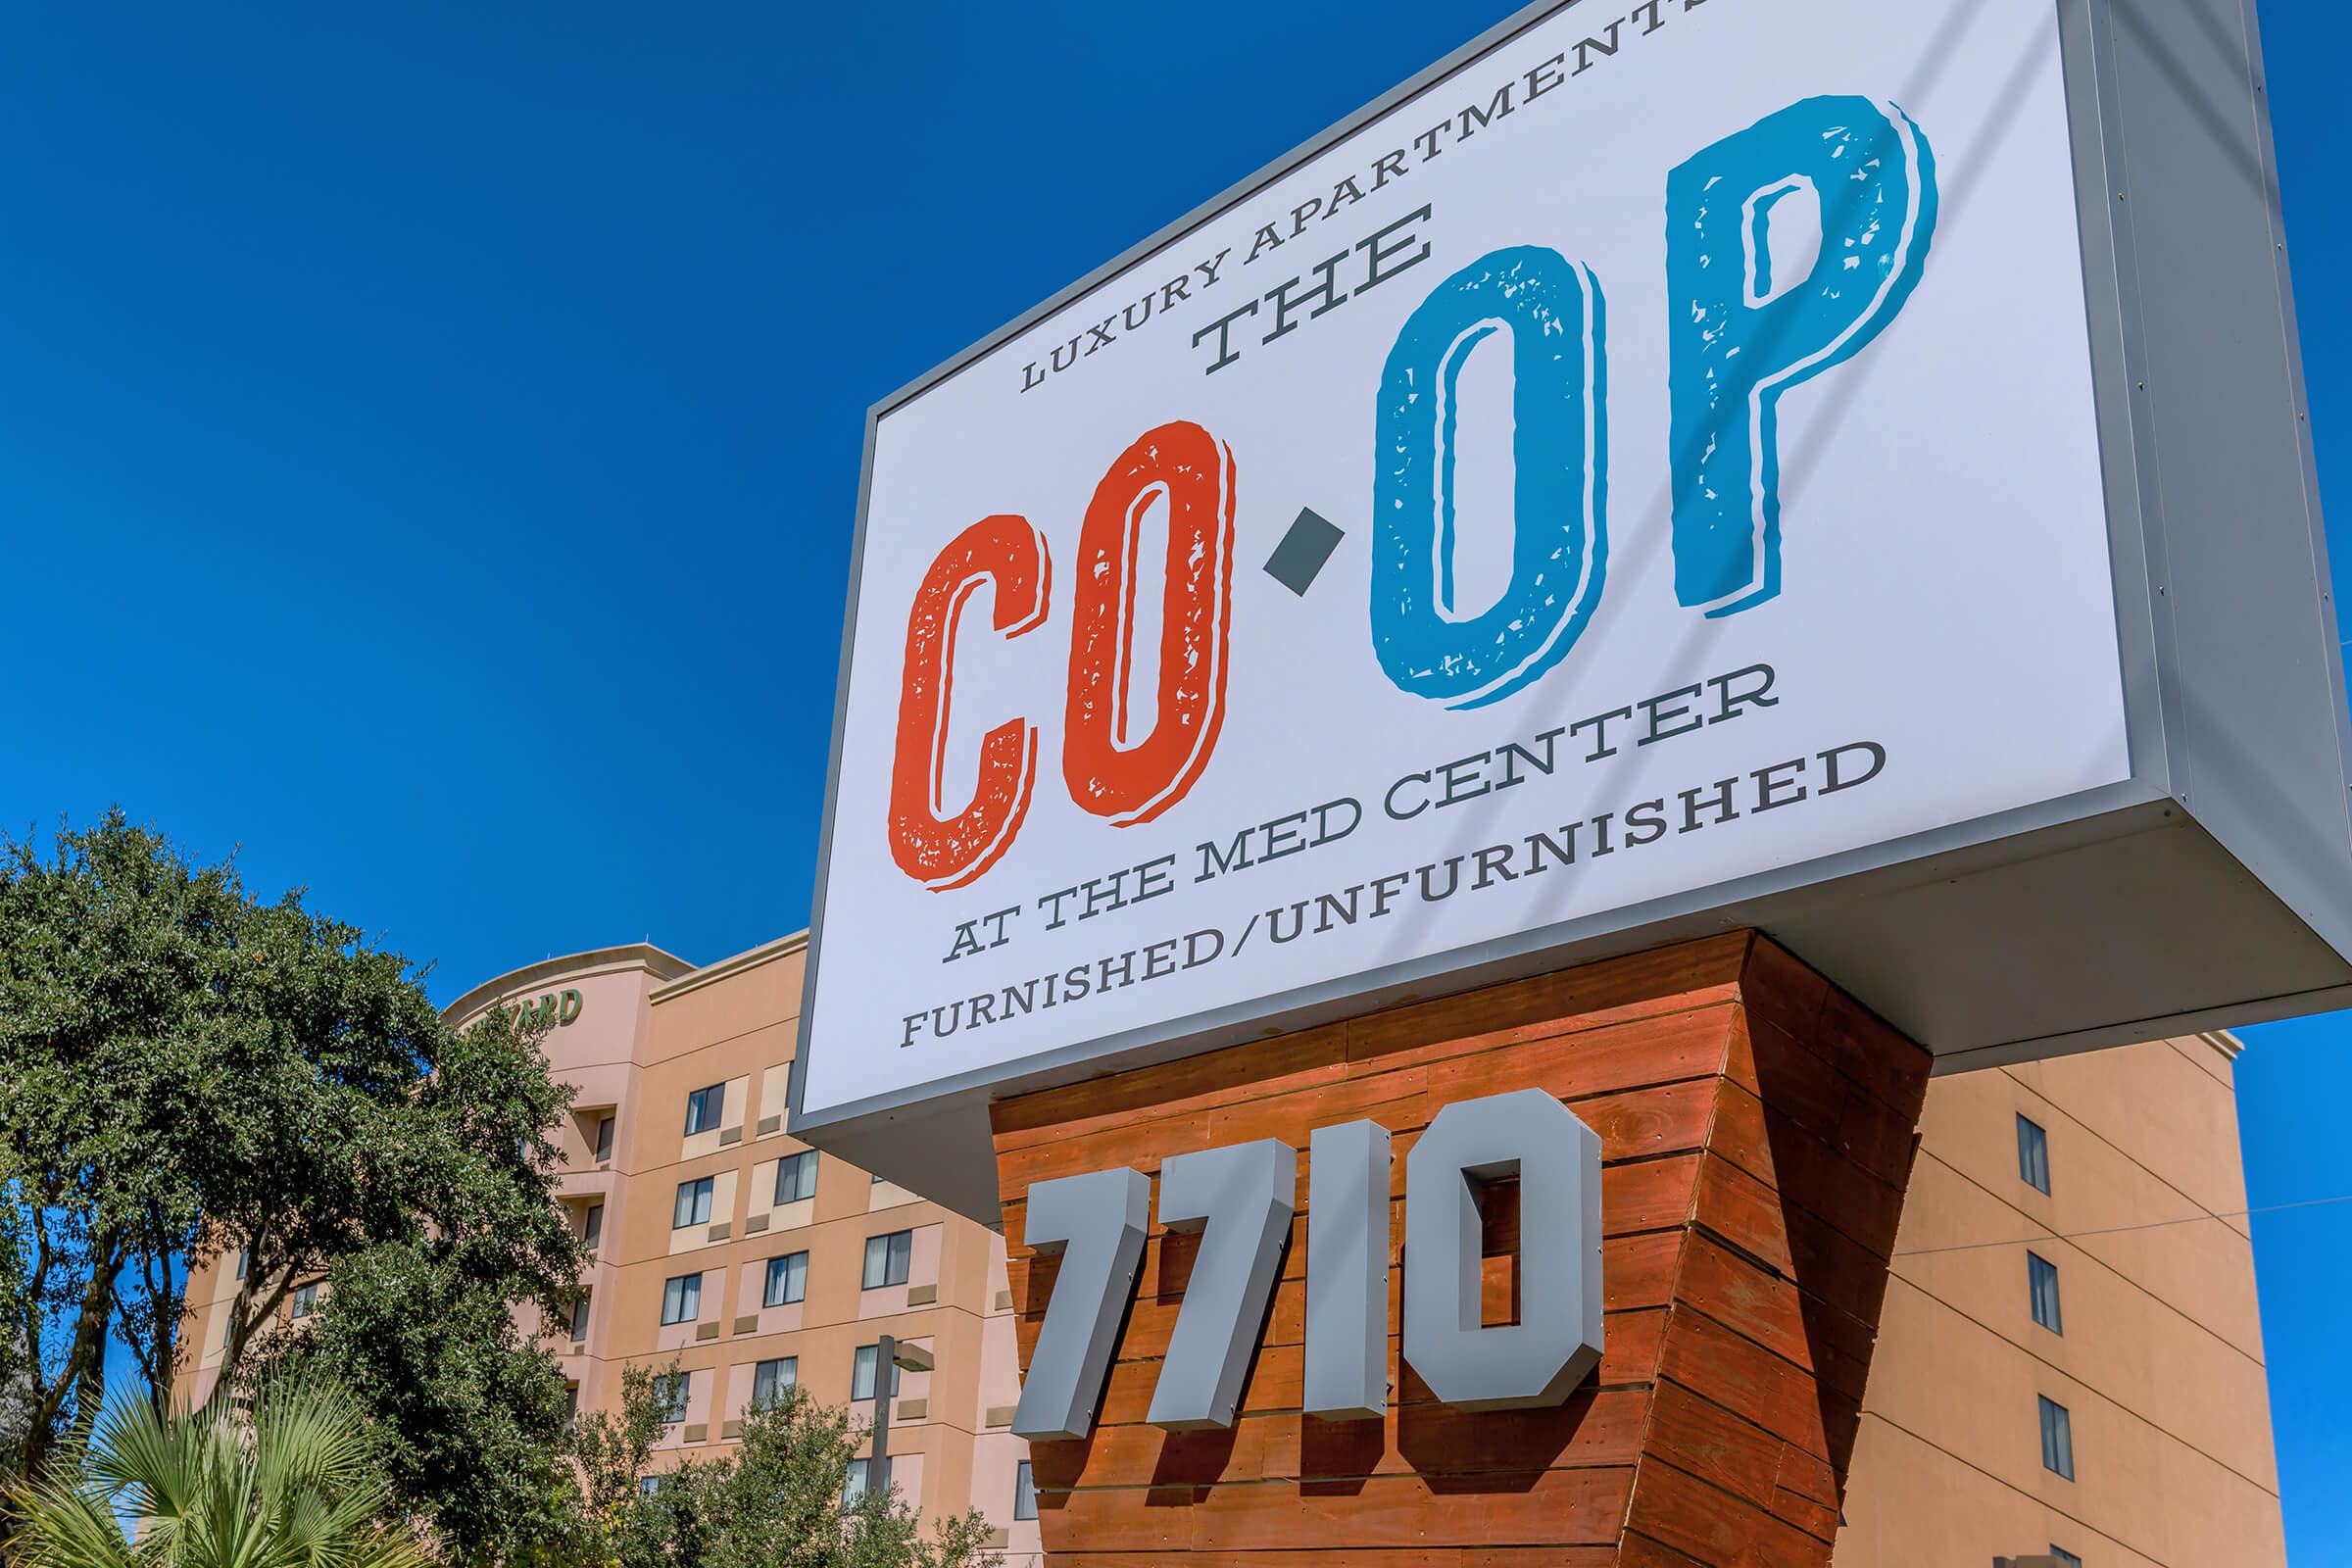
{"type": "Point", "coordinates": [189, 1073]}
{"type": "Point", "coordinates": [292, 1483]}
{"type": "Point", "coordinates": [776, 1502]}
{"type": "Point", "coordinates": [469, 1407]}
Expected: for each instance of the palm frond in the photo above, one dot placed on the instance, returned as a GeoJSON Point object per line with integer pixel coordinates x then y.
{"type": "Point", "coordinates": [291, 1484]}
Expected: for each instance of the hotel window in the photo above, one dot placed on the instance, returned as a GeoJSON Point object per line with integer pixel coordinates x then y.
{"type": "Point", "coordinates": [571, 1406]}
{"type": "Point", "coordinates": [702, 1108]}
{"type": "Point", "coordinates": [852, 1487]}
{"type": "Point", "coordinates": [787, 1280]}
{"type": "Point", "coordinates": [244, 1257]}
{"type": "Point", "coordinates": [792, 1086]}
{"type": "Point", "coordinates": [888, 1258]}
{"type": "Point", "coordinates": [2033, 1155]}
{"type": "Point", "coordinates": [646, 1485]}
{"type": "Point", "coordinates": [592, 1228]}
{"type": "Point", "coordinates": [681, 1299]}
{"type": "Point", "coordinates": [603, 1138]}
{"type": "Point", "coordinates": [670, 1393]}
{"type": "Point", "coordinates": [306, 1299]}
{"type": "Point", "coordinates": [693, 1206]}
{"type": "Point", "coordinates": [2041, 1280]}
{"type": "Point", "coordinates": [1024, 1492]}
{"type": "Point", "coordinates": [2066, 1558]}
{"type": "Point", "coordinates": [772, 1379]}
{"type": "Point", "coordinates": [796, 1177]}
{"type": "Point", "coordinates": [228, 1327]}
{"type": "Point", "coordinates": [861, 1373]}
{"type": "Point", "coordinates": [2057, 1439]}
{"type": "Point", "coordinates": [579, 1317]}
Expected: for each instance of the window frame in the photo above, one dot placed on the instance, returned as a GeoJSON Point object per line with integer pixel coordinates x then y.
{"type": "Point", "coordinates": [304, 1302]}
{"type": "Point", "coordinates": [579, 1315]}
{"type": "Point", "coordinates": [674, 1389]}
{"type": "Point", "coordinates": [2057, 1438]}
{"type": "Point", "coordinates": [806, 1160]}
{"type": "Point", "coordinates": [898, 1259]}
{"type": "Point", "coordinates": [856, 1481]}
{"type": "Point", "coordinates": [1025, 1492]}
{"type": "Point", "coordinates": [603, 1138]}
{"type": "Point", "coordinates": [866, 1362]}
{"type": "Point", "coordinates": [2033, 1153]}
{"type": "Point", "coordinates": [697, 1210]}
{"type": "Point", "coordinates": [790, 1374]}
{"type": "Point", "coordinates": [592, 1226]}
{"type": "Point", "coordinates": [688, 1296]}
{"type": "Point", "coordinates": [2042, 1296]}
{"type": "Point", "coordinates": [796, 1286]}
{"type": "Point", "coordinates": [705, 1108]}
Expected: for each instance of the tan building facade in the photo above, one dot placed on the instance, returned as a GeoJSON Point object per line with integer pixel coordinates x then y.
{"type": "Point", "coordinates": [2128, 1354]}
{"type": "Point", "coordinates": [729, 1247]}
{"type": "Point", "coordinates": [2152, 1348]}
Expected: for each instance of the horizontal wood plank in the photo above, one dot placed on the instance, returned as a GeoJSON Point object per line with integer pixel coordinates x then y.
{"type": "Point", "coordinates": [1757, 1130]}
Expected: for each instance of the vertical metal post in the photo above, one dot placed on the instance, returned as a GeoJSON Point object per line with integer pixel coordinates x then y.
{"type": "Point", "coordinates": [886, 1382]}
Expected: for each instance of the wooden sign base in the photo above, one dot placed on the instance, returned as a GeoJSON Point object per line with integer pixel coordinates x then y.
{"type": "Point", "coordinates": [1757, 1130]}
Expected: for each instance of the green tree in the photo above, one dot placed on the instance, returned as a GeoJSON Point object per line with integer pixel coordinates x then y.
{"type": "Point", "coordinates": [776, 1502]}
{"type": "Point", "coordinates": [189, 1073]}
{"type": "Point", "coordinates": [468, 1406]}
{"type": "Point", "coordinates": [294, 1485]}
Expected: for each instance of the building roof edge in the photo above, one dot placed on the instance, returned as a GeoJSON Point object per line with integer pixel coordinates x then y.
{"type": "Point", "coordinates": [2223, 1041]}
{"type": "Point", "coordinates": [753, 958]}
{"type": "Point", "coordinates": [661, 965]}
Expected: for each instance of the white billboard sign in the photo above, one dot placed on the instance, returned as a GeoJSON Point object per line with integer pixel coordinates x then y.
{"type": "Point", "coordinates": [1659, 461]}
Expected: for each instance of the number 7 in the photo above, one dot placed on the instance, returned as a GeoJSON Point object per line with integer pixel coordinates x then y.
{"type": "Point", "coordinates": [1242, 1199]}
{"type": "Point", "coordinates": [1096, 1223]}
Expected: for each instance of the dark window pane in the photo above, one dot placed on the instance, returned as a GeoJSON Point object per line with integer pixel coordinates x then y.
{"type": "Point", "coordinates": [1024, 1492]}
{"type": "Point", "coordinates": [787, 1280]}
{"type": "Point", "coordinates": [861, 1373]}
{"type": "Point", "coordinates": [693, 1206]}
{"type": "Point", "coordinates": [2033, 1155]}
{"type": "Point", "coordinates": [796, 1177]}
{"type": "Point", "coordinates": [2057, 1439]}
{"type": "Point", "coordinates": [888, 1258]}
{"type": "Point", "coordinates": [772, 1378]}
{"type": "Point", "coordinates": [2041, 1283]}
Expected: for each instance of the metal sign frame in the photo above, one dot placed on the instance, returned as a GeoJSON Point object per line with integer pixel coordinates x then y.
{"type": "Point", "coordinates": [2213, 888]}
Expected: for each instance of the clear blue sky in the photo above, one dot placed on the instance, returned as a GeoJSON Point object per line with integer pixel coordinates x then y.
{"type": "Point", "coordinates": [429, 439]}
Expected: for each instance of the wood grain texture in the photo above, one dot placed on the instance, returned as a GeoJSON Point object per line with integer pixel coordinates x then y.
{"type": "Point", "coordinates": [1757, 1129]}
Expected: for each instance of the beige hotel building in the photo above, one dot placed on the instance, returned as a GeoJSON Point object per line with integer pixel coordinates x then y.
{"type": "Point", "coordinates": [2070, 1367]}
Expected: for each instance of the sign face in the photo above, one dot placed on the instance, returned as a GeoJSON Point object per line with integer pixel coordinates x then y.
{"type": "Point", "coordinates": [1656, 455]}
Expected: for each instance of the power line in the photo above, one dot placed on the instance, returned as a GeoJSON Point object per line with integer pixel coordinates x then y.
{"type": "Point", "coordinates": [2117, 1230]}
